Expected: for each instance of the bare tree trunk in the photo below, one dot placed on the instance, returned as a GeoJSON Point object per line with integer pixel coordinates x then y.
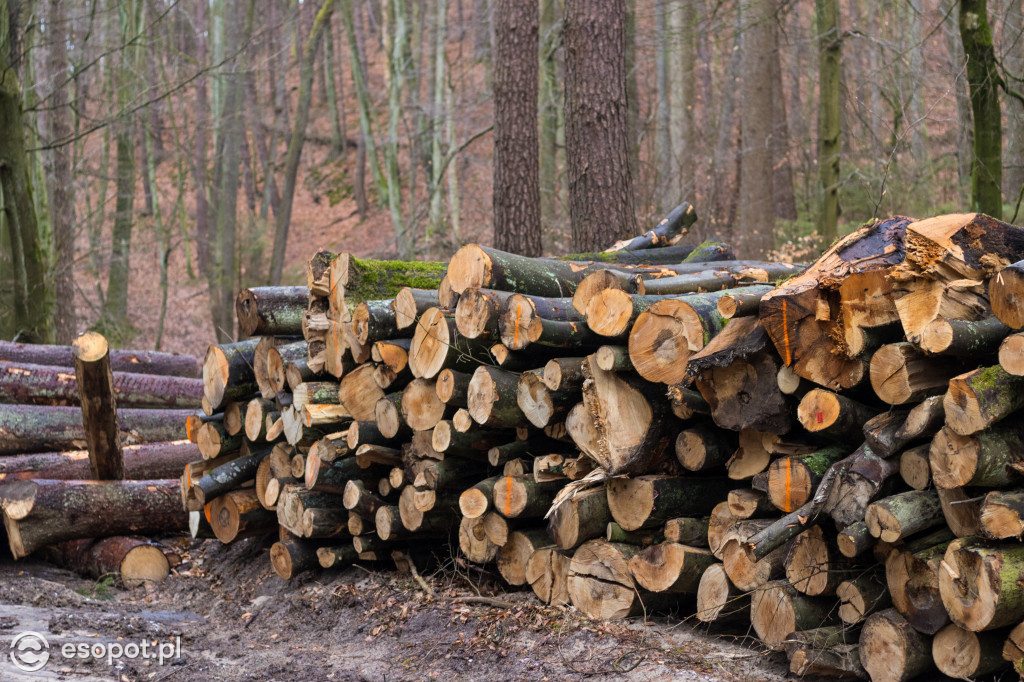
{"type": "Point", "coordinates": [785, 199]}
{"type": "Point", "coordinates": [983, 78]}
{"type": "Point", "coordinates": [298, 138]}
{"type": "Point", "coordinates": [682, 95]}
{"type": "Point", "coordinates": [202, 108]}
{"type": "Point", "coordinates": [827, 20]}
{"type": "Point", "coordinates": [724, 204]}
{"type": "Point", "coordinates": [516, 189]}
{"type": "Point", "coordinates": [757, 196]}
{"type": "Point", "coordinates": [664, 171]}
{"type": "Point", "coordinates": [1013, 60]}
{"type": "Point", "coordinates": [601, 204]}
{"type": "Point", "coordinates": [61, 185]}
{"type": "Point", "coordinates": [550, 40]}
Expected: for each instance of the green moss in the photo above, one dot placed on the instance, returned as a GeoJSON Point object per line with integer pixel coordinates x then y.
{"type": "Point", "coordinates": [378, 279]}
{"type": "Point", "coordinates": [988, 378]}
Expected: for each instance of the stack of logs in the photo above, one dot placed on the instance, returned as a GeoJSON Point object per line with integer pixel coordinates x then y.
{"type": "Point", "coordinates": [829, 454]}
{"type": "Point", "coordinates": [87, 468]}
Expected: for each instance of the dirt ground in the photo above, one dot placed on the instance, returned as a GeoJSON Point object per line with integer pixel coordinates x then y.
{"type": "Point", "coordinates": [237, 620]}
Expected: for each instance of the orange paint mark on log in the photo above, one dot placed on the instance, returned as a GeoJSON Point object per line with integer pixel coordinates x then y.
{"type": "Point", "coordinates": [206, 511]}
{"type": "Point", "coordinates": [789, 481]}
{"type": "Point", "coordinates": [785, 333]}
{"type": "Point", "coordinates": [519, 311]}
{"type": "Point", "coordinates": [508, 496]}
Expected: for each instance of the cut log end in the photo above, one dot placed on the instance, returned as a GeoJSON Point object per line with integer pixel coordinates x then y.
{"type": "Point", "coordinates": [90, 347]}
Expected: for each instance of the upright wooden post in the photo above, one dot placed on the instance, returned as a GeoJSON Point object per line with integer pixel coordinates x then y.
{"type": "Point", "coordinates": [99, 408]}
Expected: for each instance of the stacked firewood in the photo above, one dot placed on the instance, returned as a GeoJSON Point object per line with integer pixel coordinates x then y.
{"type": "Point", "coordinates": [81, 480]}
{"type": "Point", "coordinates": [829, 454]}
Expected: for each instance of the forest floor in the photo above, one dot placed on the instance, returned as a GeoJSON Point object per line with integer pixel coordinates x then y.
{"type": "Point", "coordinates": [237, 620]}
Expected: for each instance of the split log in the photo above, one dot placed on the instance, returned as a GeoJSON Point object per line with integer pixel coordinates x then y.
{"type": "Point", "coordinates": [359, 393]}
{"type": "Point", "coordinates": [1003, 295]}
{"type": "Point", "coordinates": [42, 512]}
{"type": "Point", "coordinates": [980, 585]}
{"type": "Point", "coordinates": [135, 561]}
{"type": "Point", "coordinates": [1013, 648]}
{"type": "Point", "coordinates": [32, 428]}
{"type": "Point", "coordinates": [808, 318]}
{"type": "Point", "coordinates": [392, 358]}
{"type": "Point", "coordinates": [980, 398]}
{"type": "Point", "coordinates": [913, 575]}
{"type": "Point", "coordinates": [670, 568]}
{"type": "Point", "coordinates": [923, 420]}
{"type": "Point", "coordinates": [900, 516]}
{"type": "Point", "coordinates": [629, 419]}
{"type": "Point", "coordinates": [718, 600]}
{"type": "Point", "coordinates": [548, 573]}
{"type": "Point", "coordinates": [667, 333]}
{"type": "Point", "coordinates": [893, 651]}
{"type": "Point", "coordinates": [963, 338]}
{"type": "Point", "coordinates": [702, 447]}
{"type": "Point", "coordinates": [649, 500]}
{"type": "Point", "coordinates": [27, 384]}
{"type": "Point", "coordinates": [133, 361]}
{"type": "Point", "coordinates": [579, 518]}
{"type": "Point", "coordinates": [989, 459]}
{"type": "Point", "coordinates": [776, 610]}
{"type": "Point", "coordinates": [965, 655]}
{"type": "Point", "coordinates": [271, 311]}
{"type": "Point", "coordinates": [832, 415]}
{"type": "Point", "coordinates": [861, 596]}
{"type": "Point", "coordinates": [228, 372]}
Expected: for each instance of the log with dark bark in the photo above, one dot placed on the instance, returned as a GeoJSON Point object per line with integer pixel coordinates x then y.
{"type": "Point", "coordinates": [43, 512]}
{"type": "Point", "coordinates": [846, 290]}
{"type": "Point", "coordinates": [880, 432]}
{"type": "Point", "coordinates": [478, 312]}
{"type": "Point", "coordinates": [667, 232]}
{"type": "Point", "coordinates": [374, 321]}
{"type": "Point", "coordinates": [134, 361]}
{"type": "Point", "coordinates": [649, 500]}
{"type": "Point", "coordinates": [28, 384]}
{"type": "Point", "coordinates": [492, 398]}
{"type": "Point", "coordinates": [701, 447]}
{"type": "Point", "coordinates": [855, 539]}
{"type": "Point", "coordinates": [32, 428]}
{"type": "Point", "coordinates": [410, 303]}
{"type": "Point", "coordinates": [141, 462]}
{"type": "Point", "coordinates": [831, 652]}
{"type": "Point", "coordinates": [900, 516]}
{"type": "Point", "coordinates": [227, 476]}
{"type": "Point", "coordinates": [238, 514]}
{"type": "Point", "coordinates": [980, 398]}
{"type": "Point", "coordinates": [833, 415]}
{"type": "Point", "coordinates": [963, 338]}
{"type": "Point", "coordinates": [134, 561]}
{"type": "Point", "coordinates": [564, 374]}
{"type": "Point", "coordinates": [228, 372]}
{"type": "Point", "coordinates": [271, 311]}
{"type": "Point", "coordinates": [292, 556]}
{"type": "Point", "coordinates": [99, 406]}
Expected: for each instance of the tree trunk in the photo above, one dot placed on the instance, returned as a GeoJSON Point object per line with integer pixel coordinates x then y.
{"type": "Point", "coordinates": [139, 362]}
{"type": "Point", "coordinates": [829, 47]}
{"type": "Point", "coordinates": [99, 408]}
{"type": "Point", "coordinates": [984, 80]}
{"type": "Point", "coordinates": [39, 513]}
{"type": "Point", "coordinates": [601, 204]}
{"type": "Point", "coordinates": [516, 191]}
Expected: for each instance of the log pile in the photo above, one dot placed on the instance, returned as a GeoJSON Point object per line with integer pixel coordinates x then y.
{"type": "Point", "coordinates": [828, 454]}
{"type": "Point", "coordinates": [91, 445]}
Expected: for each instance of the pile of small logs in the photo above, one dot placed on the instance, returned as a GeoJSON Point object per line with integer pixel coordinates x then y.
{"type": "Point", "coordinates": [91, 444]}
{"type": "Point", "coordinates": [827, 453]}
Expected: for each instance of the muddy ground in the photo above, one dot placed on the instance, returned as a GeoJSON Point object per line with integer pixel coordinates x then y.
{"type": "Point", "coordinates": [237, 620]}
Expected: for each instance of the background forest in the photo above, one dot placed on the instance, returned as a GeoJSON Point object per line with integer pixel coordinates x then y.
{"type": "Point", "coordinates": [177, 150]}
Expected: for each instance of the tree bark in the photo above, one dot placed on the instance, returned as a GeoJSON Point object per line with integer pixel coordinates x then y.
{"type": "Point", "coordinates": [984, 80]}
